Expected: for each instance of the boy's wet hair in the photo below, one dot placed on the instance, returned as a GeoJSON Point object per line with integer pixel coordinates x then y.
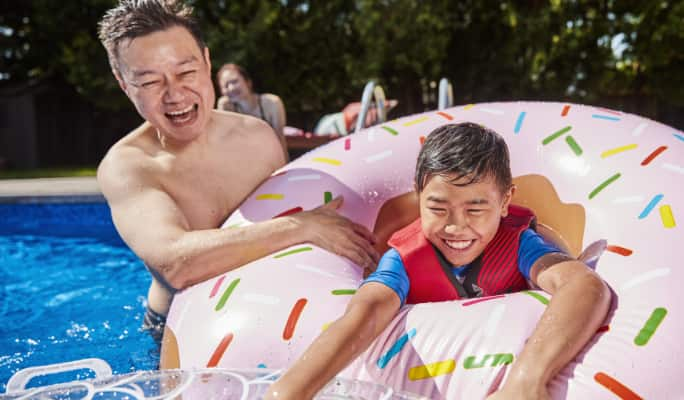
{"type": "Point", "coordinates": [464, 150]}
{"type": "Point", "coordinates": [131, 19]}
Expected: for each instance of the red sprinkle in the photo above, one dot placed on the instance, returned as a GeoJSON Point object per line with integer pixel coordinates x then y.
{"type": "Point", "coordinates": [480, 300]}
{"type": "Point", "coordinates": [291, 211]}
{"type": "Point", "coordinates": [220, 349]}
{"type": "Point", "coordinates": [616, 387]}
{"type": "Point", "coordinates": [565, 111]}
{"type": "Point", "coordinates": [604, 328]}
{"type": "Point", "coordinates": [445, 115]}
{"type": "Point", "coordinates": [653, 155]}
{"type": "Point", "coordinates": [347, 143]}
{"type": "Point", "coordinates": [217, 286]}
{"type": "Point", "coordinates": [623, 251]}
{"type": "Point", "coordinates": [422, 140]}
{"type": "Point", "coordinates": [293, 318]}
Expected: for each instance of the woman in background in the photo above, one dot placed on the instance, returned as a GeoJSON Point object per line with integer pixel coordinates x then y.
{"type": "Point", "coordinates": [237, 95]}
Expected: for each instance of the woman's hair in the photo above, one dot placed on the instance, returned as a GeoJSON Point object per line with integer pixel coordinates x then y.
{"type": "Point", "coordinates": [464, 150]}
{"type": "Point", "coordinates": [235, 67]}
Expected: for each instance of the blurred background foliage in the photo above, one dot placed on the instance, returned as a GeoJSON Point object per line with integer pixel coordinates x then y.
{"type": "Point", "coordinates": [317, 55]}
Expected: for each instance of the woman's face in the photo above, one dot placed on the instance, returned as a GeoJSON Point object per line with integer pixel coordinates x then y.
{"type": "Point", "coordinates": [234, 86]}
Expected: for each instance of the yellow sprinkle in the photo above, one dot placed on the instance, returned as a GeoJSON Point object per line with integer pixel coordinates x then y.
{"type": "Point", "coordinates": [430, 370]}
{"type": "Point", "coordinates": [416, 121]}
{"type": "Point", "coordinates": [666, 216]}
{"type": "Point", "coordinates": [617, 150]}
{"type": "Point", "coordinates": [330, 161]}
{"type": "Point", "coordinates": [469, 106]}
{"type": "Point", "coordinates": [270, 196]}
{"type": "Point", "coordinates": [325, 326]}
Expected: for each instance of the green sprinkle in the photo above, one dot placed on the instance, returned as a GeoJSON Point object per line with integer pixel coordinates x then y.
{"type": "Point", "coordinates": [555, 135]}
{"type": "Point", "coordinates": [327, 197]}
{"type": "Point", "coordinates": [234, 226]}
{"type": "Point", "coordinates": [650, 327]}
{"type": "Point", "coordinates": [573, 145]}
{"type": "Point", "coordinates": [390, 130]}
{"type": "Point", "coordinates": [226, 294]}
{"type": "Point", "coordinates": [342, 292]}
{"type": "Point", "coordinates": [295, 251]}
{"type": "Point", "coordinates": [539, 297]}
{"type": "Point", "coordinates": [603, 185]}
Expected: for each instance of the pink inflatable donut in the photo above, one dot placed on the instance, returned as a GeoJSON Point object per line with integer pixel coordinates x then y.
{"type": "Point", "coordinates": [620, 176]}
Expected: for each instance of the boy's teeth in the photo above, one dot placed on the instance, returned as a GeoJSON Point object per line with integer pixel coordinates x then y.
{"type": "Point", "coordinates": [458, 244]}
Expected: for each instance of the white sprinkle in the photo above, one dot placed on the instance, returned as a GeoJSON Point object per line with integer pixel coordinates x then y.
{"type": "Point", "coordinates": [261, 298]}
{"type": "Point", "coordinates": [492, 111]}
{"type": "Point", "coordinates": [628, 199]}
{"type": "Point", "coordinates": [316, 270]}
{"type": "Point", "coordinates": [371, 135]}
{"type": "Point", "coordinates": [492, 324]}
{"type": "Point", "coordinates": [379, 156]}
{"type": "Point", "coordinates": [313, 177]}
{"type": "Point", "coordinates": [637, 131]}
{"type": "Point", "coordinates": [638, 280]}
{"type": "Point", "coordinates": [675, 168]}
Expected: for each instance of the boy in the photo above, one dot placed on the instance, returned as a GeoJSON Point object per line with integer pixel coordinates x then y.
{"type": "Point", "coordinates": [468, 242]}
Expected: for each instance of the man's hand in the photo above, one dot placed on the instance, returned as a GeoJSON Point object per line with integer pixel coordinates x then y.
{"type": "Point", "coordinates": [327, 229]}
{"type": "Point", "coordinates": [511, 391]}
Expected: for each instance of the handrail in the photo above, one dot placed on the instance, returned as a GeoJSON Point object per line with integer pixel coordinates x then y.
{"type": "Point", "coordinates": [446, 94]}
{"type": "Point", "coordinates": [375, 91]}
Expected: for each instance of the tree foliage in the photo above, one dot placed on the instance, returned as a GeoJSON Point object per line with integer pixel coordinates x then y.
{"type": "Point", "coordinates": [318, 55]}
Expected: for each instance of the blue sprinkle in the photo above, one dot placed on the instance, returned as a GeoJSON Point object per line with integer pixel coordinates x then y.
{"type": "Point", "coordinates": [519, 122]}
{"type": "Point", "coordinates": [651, 205]}
{"type": "Point", "coordinates": [608, 117]}
{"type": "Point", "coordinates": [262, 365]}
{"type": "Point", "coordinates": [395, 349]}
{"type": "Point", "coordinates": [680, 137]}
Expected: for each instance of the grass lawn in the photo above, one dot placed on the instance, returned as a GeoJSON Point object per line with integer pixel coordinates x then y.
{"type": "Point", "coordinates": [47, 172]}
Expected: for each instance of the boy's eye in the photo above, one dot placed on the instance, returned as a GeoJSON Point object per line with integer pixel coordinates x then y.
{"type": "Point", "coordinates": [437, 210]}
{"type": "Point", "coordinates": [475, 211]}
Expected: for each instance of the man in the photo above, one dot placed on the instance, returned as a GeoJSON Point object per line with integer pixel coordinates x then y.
{"type": "Point", "coordinates": [172, 181]}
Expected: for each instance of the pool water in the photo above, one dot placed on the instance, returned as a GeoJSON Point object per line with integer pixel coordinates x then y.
{"type": "Point", "coordinates": [69, 289]}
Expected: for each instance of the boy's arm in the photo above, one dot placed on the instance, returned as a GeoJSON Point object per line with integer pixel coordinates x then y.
{"type": "Point", "coordinates": [579, 305]}
{"type": "Point", "coordinates": [367, 315]}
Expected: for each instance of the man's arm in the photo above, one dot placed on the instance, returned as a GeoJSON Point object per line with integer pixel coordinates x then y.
{"type": "Point", "coordinates": [367, 315]}
{"type": "Point", "coordinates": [579, 305]}
{"type": "Point", "coordinates": [151, 223]}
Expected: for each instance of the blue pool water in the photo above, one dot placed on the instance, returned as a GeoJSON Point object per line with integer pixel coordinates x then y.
{"type": "Point", "coordinates": [69, 289]}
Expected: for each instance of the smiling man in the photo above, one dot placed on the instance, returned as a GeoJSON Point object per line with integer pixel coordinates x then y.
{"type": "Point", "coordinates": [172, 181]}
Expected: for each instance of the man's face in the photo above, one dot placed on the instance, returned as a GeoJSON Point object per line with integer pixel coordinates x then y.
{"type": "Point", "coordinates": [168, 79]}
{"type": "Point", "coordinates": [461, 220]}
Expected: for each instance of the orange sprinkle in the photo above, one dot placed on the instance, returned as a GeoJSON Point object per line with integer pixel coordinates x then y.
{"type": "Point", "coordinates": [220, 349]}
{"type": "Point", "coordinates": [653, 155]}
{"type": "Point", "coordinates": [623, 251]}
{"type": "Point", "coordinates": [616, 387]}
{"type": "Point", "coordinates": [445, 115]}
{"type": "Point", "coordinates": [422, 140]}
{"type": "Point", "coordinates": [565, 111]}
{"type": "Point", "coordinates": [293, 318]}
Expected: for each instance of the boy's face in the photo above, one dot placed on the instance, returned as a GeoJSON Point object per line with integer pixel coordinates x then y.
{"type": "Point", "coordinates": [461, 220]}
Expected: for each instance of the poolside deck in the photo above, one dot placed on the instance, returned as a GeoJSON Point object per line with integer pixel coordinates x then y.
{"type": "Point", "coordinates": [50, 190]}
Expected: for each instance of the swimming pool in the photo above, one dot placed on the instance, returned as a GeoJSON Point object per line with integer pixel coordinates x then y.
{"type": "Point", "coordinates": [71, 289]}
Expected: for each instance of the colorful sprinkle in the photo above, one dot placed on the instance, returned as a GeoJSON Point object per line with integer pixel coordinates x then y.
{"type": "Point", "coordinates": [654, 201]}
{"type": "Point", "coordinates": [327, 197]}
{"type": "Point", "coordinates": [217, 286]}
{"type": "Point", "coordinates": [294, 251]}
{"type": "Point", "coordinates": [431, 370]}
{"type": "Point", "coordinates": [378, 157]}
{"type": "Point", "coordinates": [623, 251]}
{"type": "Point", "coordinates": [270, 196]}
{"type": "Point", "coordinates": [234, 226]}
{"type": "Point", "coordinates": [324, 160]}
{"type": "Point", "coordinates": [445, 115]}
{"type": "Point", "coordinates": [220, 349]}
{"type": "Point", "coordinates": [262, 365]}
{"type": "Point", "coordinates": [537, 296]}
{"type": "Point", "coordinates": [421, 140]}
{"type": "Point", "coordinates": [618, 150]}
{"type": "Point", "coordinates": [492, 111]}
{"type": "Point", "coordinates": [491, 328]}
{"type": "Point", "coordinates": [666, 216]}
{"type": "Point", "coordinates": [650, 327]}
{"type": "Point", "coordinates": [226, 294]}
{"type": "Point", "coordinates": [555, 135]}
{"type": "Point", "coordinates": [347, 143]}
{"type": "Point", "coordinates": [603, 185]}
{"type": "Point", "coordinates": [622, 391]}
{"type": "Point", "coordinates": [609, 111]}
{"type": "Point", "coordinates": [565, 111]}
{"type": "Point", "coordinates": [395, 349]}
{"type": "Point", "coordinates": [497, 359]}
{"type": "Point", "coordinates": [291, 211]}
{"type": "Point", "coordinates": [316, 270]}
{"type": "Point", "coordinates": [343, 292]}
{"type": "Point", "coordinates": [573, 145]}
{"type": "Point", "coordinates": [604, 328]}
{"type": "Point", "coordinates": [390, 130]}
{"type": "Point", "coordinates": [653, 155]}
{"type": "Point", "coordinates": [645, 277]}
{"type": "Point", "coordinates": [480, 300]}
{"type": "Point", "coordinates": [310, 177]}
{"type": "Point", "coordinates": [680, 137]}
{"type": "Point", "coordinates": [519, 122]}
{"type": "Point", "coordinates": [326, 326]}
{"type": "Point", "coordinates": [606, 117]}
{"type": "Point", "coordinates": [469, 106]}
{"type": "Point", "coordinates": [640, 128]}
{"type": "Point", "coordinates": [293, 318]}
{"type": "Point", "coordinates": [416, 121]}
{"type": "Point", "coordinates": [675, 168]}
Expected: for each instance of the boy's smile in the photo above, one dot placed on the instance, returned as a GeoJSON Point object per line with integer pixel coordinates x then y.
{"type": "Point", "coordinates": [460, 219]}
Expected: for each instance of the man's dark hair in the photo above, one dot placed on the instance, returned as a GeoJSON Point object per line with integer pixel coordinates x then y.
{"type": "Point", "coordinates": [134, 18]}
{"type": "Point", "coordinates": [464, 150]}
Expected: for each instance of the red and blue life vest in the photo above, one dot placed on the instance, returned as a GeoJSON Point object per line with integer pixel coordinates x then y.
{"type": "Point", "coordinates": [494, 272]}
